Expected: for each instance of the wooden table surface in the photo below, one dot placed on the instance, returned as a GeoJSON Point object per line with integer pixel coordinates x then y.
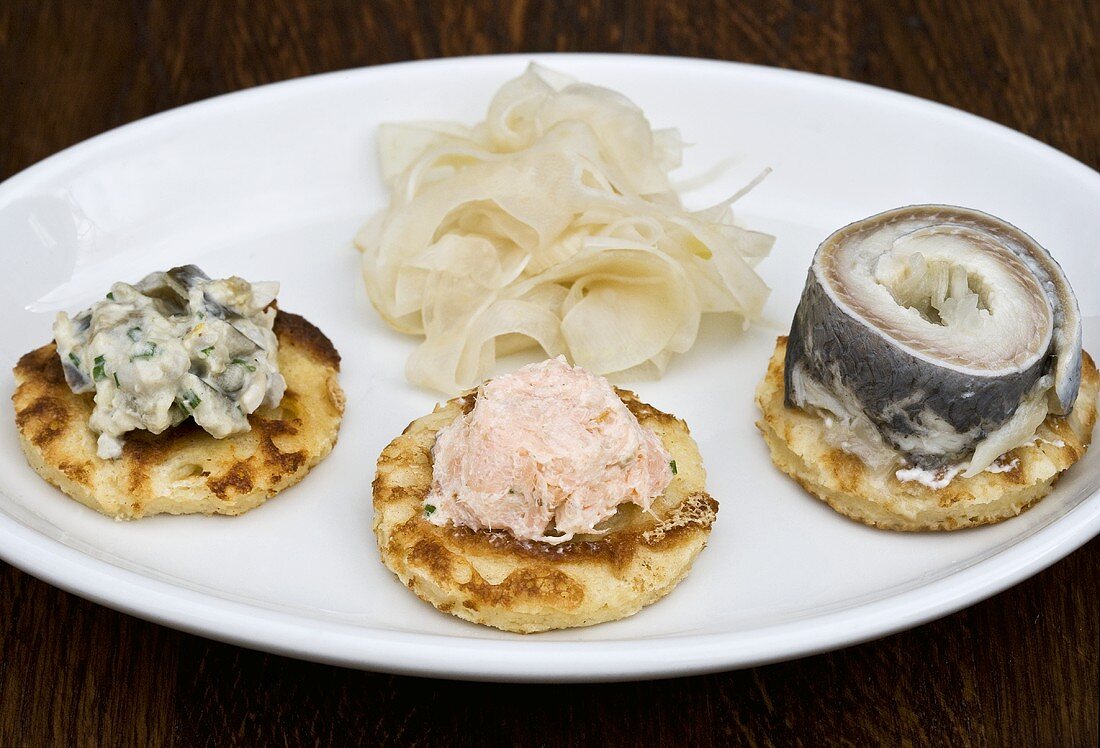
{"type": "Point", "coordinates": [1022, 668]}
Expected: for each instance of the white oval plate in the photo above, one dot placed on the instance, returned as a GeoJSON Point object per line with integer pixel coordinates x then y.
{"type": "Point", "coordinates": [272, 183]}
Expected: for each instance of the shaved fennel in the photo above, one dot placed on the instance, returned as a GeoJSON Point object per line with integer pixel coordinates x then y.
{"type": "Point", "coordinates": [553, 224]}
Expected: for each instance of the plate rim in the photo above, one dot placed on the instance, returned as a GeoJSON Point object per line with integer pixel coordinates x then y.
{"type": "Point", "coordinates": [527, 658]}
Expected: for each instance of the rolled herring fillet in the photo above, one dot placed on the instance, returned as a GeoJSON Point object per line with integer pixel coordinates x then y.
{"type": "Point", "coordinates": [934, 337]}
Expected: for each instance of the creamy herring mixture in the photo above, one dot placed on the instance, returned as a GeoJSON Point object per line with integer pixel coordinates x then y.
{"type": "Point", "coordinates": [548, 451]}
{"type": "Point", "coordinates": [174, 345]}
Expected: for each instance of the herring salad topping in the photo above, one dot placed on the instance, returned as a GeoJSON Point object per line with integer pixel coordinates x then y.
{"type": "Point", "coordinates": [173, 346]}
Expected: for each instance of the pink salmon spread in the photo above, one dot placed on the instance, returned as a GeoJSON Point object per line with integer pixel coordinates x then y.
{"type": "Point", "coordinates": [548, 451]}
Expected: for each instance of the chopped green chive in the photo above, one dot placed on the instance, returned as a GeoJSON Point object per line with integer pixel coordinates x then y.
{"type": "Point", "coordinates": [133, 333]}
{"type": "Point", "coordinates": [115, 375]}
{"type": "Point", "coordinates": [242, 362]}
{"type": "Point", "coordinates": [188, 400]}
{"type": "Point", "coordinates": [206, 351]}
{"type": "Point", "coordinates": [429, 509]}
{"type": "Point", "coordinates": [75, 360]}
{"type": "Point", "coordinates": [149, 351]}
{"type": "Point", "coordinates": [110, 296]}
{"type": "Point", "coordinates": [97, 370]}
{"type": "Point", "coordinates": [672, 465]}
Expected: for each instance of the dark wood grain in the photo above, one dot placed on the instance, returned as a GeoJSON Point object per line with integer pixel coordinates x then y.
{"type": "Point", "coordinates": [1020, 669]}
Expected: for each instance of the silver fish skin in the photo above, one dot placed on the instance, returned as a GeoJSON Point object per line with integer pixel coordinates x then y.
{"type": "Point", "coordinates": [933, 402]}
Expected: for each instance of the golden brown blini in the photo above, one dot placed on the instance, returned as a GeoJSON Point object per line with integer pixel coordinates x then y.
{"type": "Point", "coordinates": [527, 586]}
{"type": "Point", "coordinates": [184, 470]}
{"type": "Point", "coordinates": [796, 439]}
